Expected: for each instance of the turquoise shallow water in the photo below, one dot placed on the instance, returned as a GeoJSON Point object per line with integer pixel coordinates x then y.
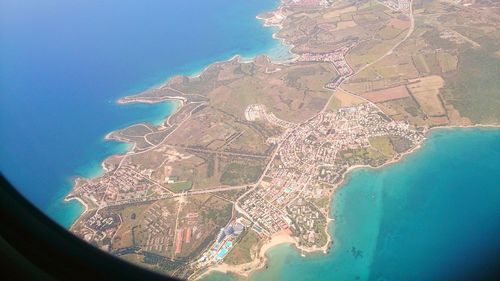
{"type": "Point", "coordinates": [432, 216]}
{"type": "Point", "coordinates": [64, 63]}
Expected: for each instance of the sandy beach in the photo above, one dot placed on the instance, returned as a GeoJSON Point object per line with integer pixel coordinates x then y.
{"type": "Point", "coordinates": [284, 237]}
{"type": "Point", "coordinates": [259, 262]}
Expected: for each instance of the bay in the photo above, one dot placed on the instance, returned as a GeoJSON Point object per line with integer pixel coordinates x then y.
{"type": "Point", "coordinates": [432, 216]}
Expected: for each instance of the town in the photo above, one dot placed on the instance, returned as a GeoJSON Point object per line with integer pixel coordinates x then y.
{"type": "Point", "coordinates": [257, 148]}
{"type": "Point", "coordinates": [309, 156]}
{"type": "Point", "coordinates": [337, 58]}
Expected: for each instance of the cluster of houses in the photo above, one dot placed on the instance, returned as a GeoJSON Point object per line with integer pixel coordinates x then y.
{"type": "Point", "coordinates": [337, 58]}
{"type": "Point", "coordinates": [308, 157]}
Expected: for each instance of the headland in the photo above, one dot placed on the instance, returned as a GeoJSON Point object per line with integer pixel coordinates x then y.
{"type": "Point", "coordinates": [254, 154]}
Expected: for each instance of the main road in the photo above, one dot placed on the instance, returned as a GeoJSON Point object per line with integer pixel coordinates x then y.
{"type": "Point", "coordinates": [169, 195]}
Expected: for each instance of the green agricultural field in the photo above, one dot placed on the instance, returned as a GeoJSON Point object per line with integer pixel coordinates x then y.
{"type": "Point", "coordinates": [236, 173]}
{"type": "Point", "coordinates": [432, 62]}
{"type": "Point", "coordinates": [388, 32]}
{"type": "Point", "coordinates": [400, 144]}
{"type": "Point", "coordinates": [447, 62]}
{"type": "Point", "coordinates": [334, 104]}
{"type": "Point", "coordinates": [383, 145]}
{"type": "Point", "coordinates": [321, 202]}
{"type": "Point", "coordinates": [181, 186]}
{"type": "Point", "coordinates": [436, 42]}
{"type": "Point", "coordinates": [365, 53]}
{"type": "Point", "coordinates": [474, 90]}
{"type": "Point", "coordinates": [363, 156]}
{"type": "Point", "coordinates": [420, 64]}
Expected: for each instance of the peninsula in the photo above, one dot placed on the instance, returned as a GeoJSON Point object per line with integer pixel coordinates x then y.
{"type": "Point", "coordinates": [256, 149]}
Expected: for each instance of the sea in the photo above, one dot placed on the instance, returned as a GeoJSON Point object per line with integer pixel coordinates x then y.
{"type": "Point", "coordinates": [63, 65]}
{"type": "Point", "coordinates": [435, 215]}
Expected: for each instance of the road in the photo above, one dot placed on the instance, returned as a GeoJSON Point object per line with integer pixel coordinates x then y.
{"type": "Point", "coordinates": [170, 195]}
{"type": "Point", "coordinates": [272, 156]}
{"type": "Point", "coordinates": [410, 31]}
{"type": "Point", "coordinates": [219, 152]}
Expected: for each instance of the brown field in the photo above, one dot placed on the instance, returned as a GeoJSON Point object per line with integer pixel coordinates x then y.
{"type": "Point", "coordinates": [387, 94]}
{"type": "Point", "coordinates": [342, 98]}
{"type": "Point", "coordinates": [399, 24]}
{"type": "Point", "coordinates": [347, 99]}
{"type": "Point", "coordinates": [371, 50]}
{"type": "Point", "coordinates": [345, 24]}
{"type": "Point", "coordinates": [425, 90]}
{"type": "Point", "coordinates": [336, 13]}
{"type": "Point", "coordinates": [346, 16]}
{"type": "Point", "coordinates": [455, 117]}
{"type": "Point", "coordinates": [439, 120]}
{"type": "Point", "coordinates": [357, 87]}
{"type": "Point", "coordinates": [404, 109]}
{"type": "Point", "coordinates": [392, 71]}
{"type": "Point", "coordinates": [294, 94]}
{"type": "Point", "coordinates": [388, 32]}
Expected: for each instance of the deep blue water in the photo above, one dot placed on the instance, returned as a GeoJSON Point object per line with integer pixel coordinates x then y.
{"type": "Point", "coordinates": [64, 63]}
{"type": "Point", "coordinates": [433, 216]}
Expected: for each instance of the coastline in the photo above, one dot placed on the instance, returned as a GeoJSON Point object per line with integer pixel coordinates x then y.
{"type": "Point", "coordinates": [79, 200]}
{"type": "Point", "coordinates": [127, 148]}
{"type": "Point", "coordinates": [261, 260]}
{"type": "Point", "coordinates": [383, 212]}
{"type": "Point", "coordinates": [257, 263]}
{"type": "Point", "coordinates": [268, 23]}
{"type": "Point", "coordinates": [280, 238]}
{"type": "Point", "coordinates": [133, 99]}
